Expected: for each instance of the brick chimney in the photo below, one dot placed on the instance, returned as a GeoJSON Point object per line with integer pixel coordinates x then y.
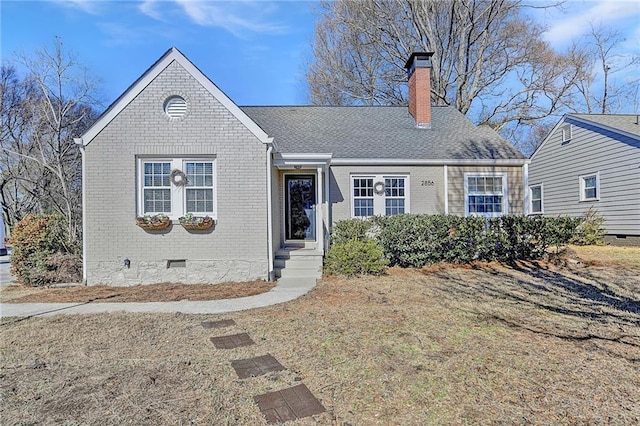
{"type": "Point", "coordinates": [418, 68]}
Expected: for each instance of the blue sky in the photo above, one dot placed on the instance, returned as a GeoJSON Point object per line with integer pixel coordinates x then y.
{"type": "Point", "coordinates": [254, 50]}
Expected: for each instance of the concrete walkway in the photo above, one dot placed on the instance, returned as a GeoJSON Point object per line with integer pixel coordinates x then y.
{"type": "Point", "coordinates": [286, 289]}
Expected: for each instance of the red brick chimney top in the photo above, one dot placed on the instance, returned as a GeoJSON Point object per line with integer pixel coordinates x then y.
{"type": "Point", "coordinates": [418, 68]}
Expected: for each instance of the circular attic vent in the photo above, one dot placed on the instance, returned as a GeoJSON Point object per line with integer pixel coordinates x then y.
{"type": "Point", "coordinates": [175, 107]}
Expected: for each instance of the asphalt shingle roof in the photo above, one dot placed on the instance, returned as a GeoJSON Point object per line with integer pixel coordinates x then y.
{"type": "Point", "coordinates": [379, 132]}
{"type": "Point", "coordinates": [624, 122]}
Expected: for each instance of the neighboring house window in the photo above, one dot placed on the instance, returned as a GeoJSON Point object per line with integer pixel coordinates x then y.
{"type": "Point", "coordinates": [566, 133]}
{"type": "Point", "coordinates": [590, 187]}
{"type": "Point", "coordinates": [162, 190]}
{"type": "Point", "coordinates": [485, 194]}
{"type": "Point", "coordinates": [536, 199]}
{"type": "Point", "coordinates": [379, 195]}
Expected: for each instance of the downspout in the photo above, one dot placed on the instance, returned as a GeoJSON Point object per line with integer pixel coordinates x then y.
{"type": "Point", "coordinates": [319, 211]}
{"type": "Point", "coordinates": [446, 190]}
{"type": "Point", "coordinates": [525, 183]}
{"type": "Point", "coordinates": [80, 143]}
{"type": "Point", "coordinates": [327, 212]}
{"type": "Point", "coordinates": [269, 212]}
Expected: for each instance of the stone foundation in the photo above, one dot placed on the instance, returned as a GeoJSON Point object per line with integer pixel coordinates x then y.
{"type": "Point", "coordinates": [175, 271]}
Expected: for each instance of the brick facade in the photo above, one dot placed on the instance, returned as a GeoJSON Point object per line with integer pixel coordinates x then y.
{"type": "Point", "coordinates": [237, 247]}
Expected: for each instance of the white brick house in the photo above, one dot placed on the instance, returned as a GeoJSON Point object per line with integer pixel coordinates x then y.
{"type": "Point", "coordinates": [274, 179]}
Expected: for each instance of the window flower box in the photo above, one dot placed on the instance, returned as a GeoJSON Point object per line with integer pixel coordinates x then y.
{"type": "Point", "coordinates": [153, 222]}
{"type": "Point", "coordinates": [195, 223]}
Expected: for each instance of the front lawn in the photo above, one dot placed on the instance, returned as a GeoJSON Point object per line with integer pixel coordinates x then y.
{"type": "Point", "coordinates": [486, 344]}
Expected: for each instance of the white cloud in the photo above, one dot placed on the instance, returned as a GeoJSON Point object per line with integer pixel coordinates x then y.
{"type": "Point", "coordinates": [150, 8]}
{"type": "Point", "coordinates": [580, 16]}
{"type": "Point", "coordinates": [88, 6]}
{"type": "Point", "coordinates": [238, 17]}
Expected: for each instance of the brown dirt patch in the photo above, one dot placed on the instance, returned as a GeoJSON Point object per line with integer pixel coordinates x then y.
{"type": "Point", "coordinates": [166, 292]}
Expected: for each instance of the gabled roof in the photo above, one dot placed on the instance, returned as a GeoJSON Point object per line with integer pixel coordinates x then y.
{"type": "Point", "coordinates": [381, 133]}
{"type": "Point", "coordinates": [149, 75]}
{"type": "Point", "coordinates": [623, 124]}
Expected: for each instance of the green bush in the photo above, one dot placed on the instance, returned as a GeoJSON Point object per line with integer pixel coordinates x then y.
{"type": "Point", "coordinates": [590, 231]}
{"type": "Point", "coordinates": [355, 257]}
{"type": "Point", "coordinates": [418, 240]}
{"type": "Point", "coordinates": [351, 229]}
{"type": "Point", "coordinates": [40, 254]}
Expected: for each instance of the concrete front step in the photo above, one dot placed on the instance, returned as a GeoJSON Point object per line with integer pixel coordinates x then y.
{"type": "Point", "coordinates": [298, 263]}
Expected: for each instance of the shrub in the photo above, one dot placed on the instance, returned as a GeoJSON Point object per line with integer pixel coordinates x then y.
{"type": "Point", "coordinates": [417, 240]}
{"type": "Point", "coordinates": [40, 253]}
{"type": "Point", "coordinates": [355, 257]}
{"type": "Point", "coordinates": [590, 230]}
{"type": "Point", "coordinates": [351, 229]}
{"type": "Point", "coordinates": [559, 231]}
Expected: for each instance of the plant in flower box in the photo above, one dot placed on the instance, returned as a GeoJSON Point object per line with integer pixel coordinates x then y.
{"type": "Point", "coordinates": [193, 222]}
{"type": "Point", "coordinates": [153, 222]}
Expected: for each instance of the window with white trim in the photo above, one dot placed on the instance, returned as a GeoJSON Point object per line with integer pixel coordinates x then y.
{"type": "Point", "coordinates": [379, 195]}
{"type": "Point", "coordinates": [176, 187]}
{"type": "Point", "coordinates": [535, 197]}
{"type": "Point", "coordinates": [485, 194]}
{"type": "Point", "coordinates": [566, 133]}
{"type": "Point", "coordinates": [590, 187]}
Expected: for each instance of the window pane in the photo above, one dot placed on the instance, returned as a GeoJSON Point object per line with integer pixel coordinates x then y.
{"type": "Point", "coordinates": [199, 174]}
{"type": "Point", "coordinates": [157, 201]}
{"type": "Point", "coordinates": [200, 200]}
{"type": "Point", "coordinates": [536, 193]}
{"type": "Point", "coordinates": [157, 174]}
{"type": "Point", "coordinates": [363, 207]}
{"type": "Point", "coordinates": [394, 206]}
{"type": "Point", "coordinates": [536, 206]}
{"type": "Point", "coordinates": [394, 187]}
{"type": "Point", "coordinates": [590, 193]}
{"type": "Point", "coordinates": [363, 197]}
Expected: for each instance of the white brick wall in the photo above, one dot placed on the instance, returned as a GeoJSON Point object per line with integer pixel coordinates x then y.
{"type": "Point", "coordinates": [235, 249]}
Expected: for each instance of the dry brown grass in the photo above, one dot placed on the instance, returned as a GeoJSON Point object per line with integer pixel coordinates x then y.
{"type": "Point", "coordinates": [166, 292]}
{"type": "Point", "coordinates": [608, 255]}
{"type": "Point", "coordinates": [488, 344]}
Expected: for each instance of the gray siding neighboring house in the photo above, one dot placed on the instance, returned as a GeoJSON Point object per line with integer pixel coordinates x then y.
{"type": "Point", "coordinates": [591, 161]}
{"type": "Point", "coordinates": [274, 178]}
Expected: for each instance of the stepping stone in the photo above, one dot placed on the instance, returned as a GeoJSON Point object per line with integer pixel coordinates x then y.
{"type": "Point", "coordinates": [288, 404]}
{"type": "Point", "coordinates": [256, 366]}
{"type": "Point", "coordinates": [218, 324]}
{"type": "Point", "coordinates": [232, 341]}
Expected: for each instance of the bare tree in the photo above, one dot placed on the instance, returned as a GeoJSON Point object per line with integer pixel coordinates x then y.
{"type": "Point", "coordinates": [490, 60]}
{"type": "Point", "coordinates": [40, 116]}
{"type": "Point", "coordinates": [601, 62]}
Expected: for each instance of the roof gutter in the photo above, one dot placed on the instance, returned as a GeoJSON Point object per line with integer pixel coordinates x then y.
{"type": "Point", "coordinates": [424, 162]}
